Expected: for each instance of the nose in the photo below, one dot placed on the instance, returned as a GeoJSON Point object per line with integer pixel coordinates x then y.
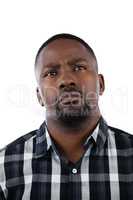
{"type": "Point", "coordinates": [65, 84]}
{"type": "Point", "coordinates": [66, 80]}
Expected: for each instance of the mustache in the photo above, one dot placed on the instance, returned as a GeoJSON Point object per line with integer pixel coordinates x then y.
{"type": "Point", "coordinates": [69, 92]}
{"type": "Point", "coordinates": [70, 89]}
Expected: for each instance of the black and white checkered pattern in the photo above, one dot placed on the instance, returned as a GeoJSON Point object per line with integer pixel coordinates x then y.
{"type": "Point", "coordinates": [31, 168]}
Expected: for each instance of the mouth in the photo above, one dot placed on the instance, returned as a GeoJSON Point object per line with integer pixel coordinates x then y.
{"type": "Point", "coordinates": [70, 99]}
{"type": "Point", "coordinates": [69, 95]}
{"type": "Point", "coordinates": [70, 102]}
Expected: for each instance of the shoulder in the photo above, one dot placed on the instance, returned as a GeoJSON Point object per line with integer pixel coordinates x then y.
{"type": "Point", "coordinates": [123, 139]}
{"type": "Point", "coordinates": [17, 146]}
{"type": "Point", "coordinates": [12, 155]}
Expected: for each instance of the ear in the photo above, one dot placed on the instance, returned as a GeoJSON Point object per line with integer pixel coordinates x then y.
{"type": "Point", "coordinates": [101, 84]}
{"type": "Point", "coordinates": [39, 97]}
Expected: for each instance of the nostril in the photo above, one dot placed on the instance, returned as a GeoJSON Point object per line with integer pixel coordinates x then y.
{"type": "Point", "coordinates": [62, 86]}
{"type": "Point", "coordinates": [72, 84]}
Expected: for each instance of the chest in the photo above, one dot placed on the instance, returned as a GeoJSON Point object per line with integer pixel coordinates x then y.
{"type": "Point", "coordinates": [103, 176]}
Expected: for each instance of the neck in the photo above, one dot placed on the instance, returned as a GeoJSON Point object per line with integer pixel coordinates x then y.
{"type": "Point", "coordinates": [70, 139]}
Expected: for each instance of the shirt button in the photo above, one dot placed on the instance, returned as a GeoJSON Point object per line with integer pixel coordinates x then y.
{"type": "Point", "coordinates": [74, 171]}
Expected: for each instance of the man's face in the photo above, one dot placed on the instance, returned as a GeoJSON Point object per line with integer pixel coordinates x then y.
{"type": "Point", "coordinates": [69, 84]}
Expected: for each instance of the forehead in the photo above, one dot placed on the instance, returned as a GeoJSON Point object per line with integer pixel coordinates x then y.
{"type": "Point", "coordinates": [61, 50]}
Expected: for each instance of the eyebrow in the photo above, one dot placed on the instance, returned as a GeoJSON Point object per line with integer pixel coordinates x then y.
{"type": "Point", "coordinates": [50, 65]}
{"type": "Point", "coordinates": [74, 60]}
{"type": "Point", "coordinates": [55, 65]}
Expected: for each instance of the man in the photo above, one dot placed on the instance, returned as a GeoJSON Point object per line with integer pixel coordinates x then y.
{"type": "Point", "coordinates": [74, 155]}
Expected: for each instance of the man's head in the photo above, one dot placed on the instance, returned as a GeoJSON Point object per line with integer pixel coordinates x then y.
{"type": "Point", "coordinates": [68, 81]}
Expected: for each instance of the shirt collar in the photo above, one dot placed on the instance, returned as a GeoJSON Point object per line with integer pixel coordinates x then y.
{"type": "Point", "coordinates": [93, 135]}
{"type": "Point", "coordinates": [44, 142]}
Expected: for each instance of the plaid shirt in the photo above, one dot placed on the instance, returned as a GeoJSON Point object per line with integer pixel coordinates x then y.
{"type": "Point", "coordinates": [32, 168]}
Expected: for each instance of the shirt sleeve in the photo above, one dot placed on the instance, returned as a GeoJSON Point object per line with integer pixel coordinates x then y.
{"type": "Point", "coordinates": [2, 197]}
{"type": "Point", "coordinates": [2, 175]}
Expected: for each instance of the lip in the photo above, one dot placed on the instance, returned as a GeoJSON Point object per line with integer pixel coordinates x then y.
{"type": "Point", "coordinates": [71, 101]}
{"type": "Point", "coordinates": [67, 97]}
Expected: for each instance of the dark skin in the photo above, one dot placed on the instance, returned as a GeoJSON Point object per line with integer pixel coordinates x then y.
{"type": "Point", "coordinates": [63, 64]}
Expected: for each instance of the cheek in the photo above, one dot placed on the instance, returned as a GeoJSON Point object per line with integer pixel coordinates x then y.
{"type": "Point", "coordinates": [89, 84]}
{"type": "Point", "coordinates": [90, 89]}
{"type": "Point", "coordinates": [50, 95]}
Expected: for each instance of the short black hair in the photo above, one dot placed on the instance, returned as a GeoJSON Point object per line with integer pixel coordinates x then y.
{"type": "Point", "coordinates": [65, 36]}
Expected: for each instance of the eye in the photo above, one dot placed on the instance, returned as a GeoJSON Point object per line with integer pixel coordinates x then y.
{"type": "Point", "coordinates": [78, 67]}
{"type": "Point", "coordinates": [51, 73]}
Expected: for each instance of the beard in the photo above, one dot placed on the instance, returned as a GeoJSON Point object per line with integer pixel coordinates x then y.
{"type": "Point", "coordinates": [72, 107]}
{"type": "Point", "coordinates": [72, 115]}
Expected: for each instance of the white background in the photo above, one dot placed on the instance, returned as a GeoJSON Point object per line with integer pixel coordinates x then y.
{"type": "Point", "coordinates": [107, 25]}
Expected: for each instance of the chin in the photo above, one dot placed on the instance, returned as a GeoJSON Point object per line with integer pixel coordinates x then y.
{"type": "Point", "coordinates": [72, 116]}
